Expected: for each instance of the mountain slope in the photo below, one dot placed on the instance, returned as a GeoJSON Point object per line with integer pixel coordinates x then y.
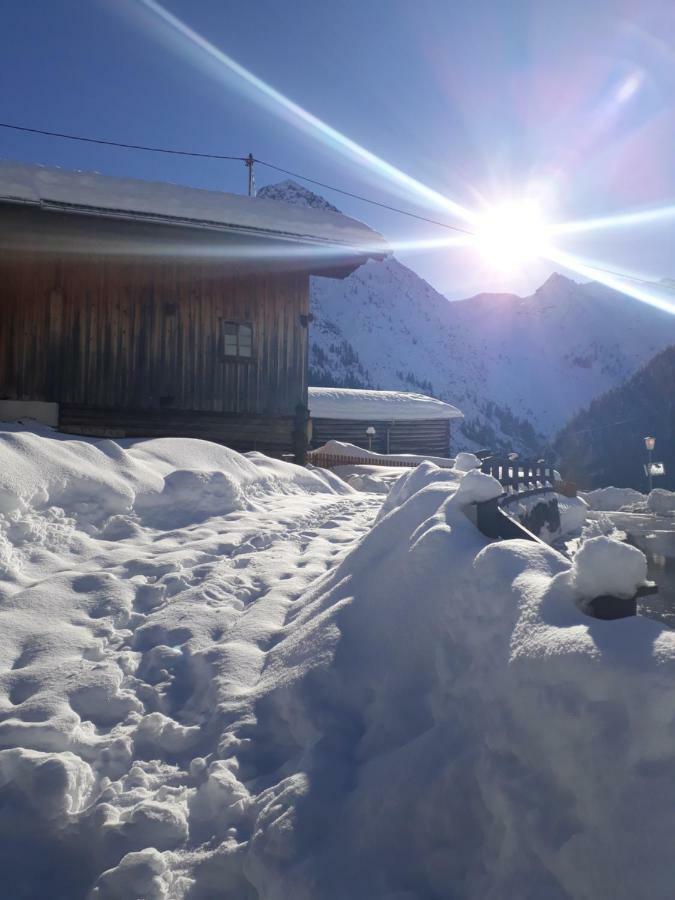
{"type": "Point", "coordinates": [291, 192]}
{"type": "Point", "coordinates": [604, 444]}
{"type": "Point", "coordinates": [518, 368]}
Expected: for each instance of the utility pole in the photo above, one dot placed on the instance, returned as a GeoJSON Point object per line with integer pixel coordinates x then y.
{"type": "Point", "coordinates": [251, 177]}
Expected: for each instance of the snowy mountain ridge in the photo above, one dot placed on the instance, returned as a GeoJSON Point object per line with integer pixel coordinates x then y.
{"type": "Point", "coordinates": [290, 192]}
{"type": "Point", "coordinates": [519, 368]}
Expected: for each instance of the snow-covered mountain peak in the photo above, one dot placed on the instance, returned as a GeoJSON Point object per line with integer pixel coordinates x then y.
{"type": "Point", "coordinates": [291, 192]}
{"type": "Point", "coordinates": [517, 367]}
{"type": "Point", "coordinates": [556, 283]}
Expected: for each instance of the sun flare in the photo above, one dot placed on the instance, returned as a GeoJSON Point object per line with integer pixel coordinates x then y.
{"type": "Point", "coordinates": [511, 234]}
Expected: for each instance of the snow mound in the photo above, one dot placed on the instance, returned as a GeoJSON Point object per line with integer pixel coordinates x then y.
{"type": "Point", "coordinates": [661, 502]}
{"type": "Point", "coordinates": [515, 748]}
{"type": "Point", "coordinates": [168, 481]}
{"type": "Point", "coordinates": [290, 477]}
{"type": "Point", "coordinates": [371, 479]}
{"type": "Point", "coordinates": [467, 461]}
{"type": "Point", "coordinates": [54, 784]}
{"type": "Point", "coordinates": [609, 499]}
{"type": "Point", "coordinates": [603, 565]}
{"type": "Point", "coordinates": [143, 874]}
{"type": "Point", "coordinates": [416, 480]}
{"type": "Point", "coordinates": [189, 494]}
{"type": "Point", "coordinates": [573, 512]}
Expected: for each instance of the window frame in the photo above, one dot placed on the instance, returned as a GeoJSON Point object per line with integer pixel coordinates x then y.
{"type": "Point", "coordinates": [238, 356]}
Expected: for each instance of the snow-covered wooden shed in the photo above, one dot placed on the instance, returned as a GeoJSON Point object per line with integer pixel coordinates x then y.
{"type": "Point", "coordinates": [403, 422]}
{"type": "Point", "coordinates": [138, 308]}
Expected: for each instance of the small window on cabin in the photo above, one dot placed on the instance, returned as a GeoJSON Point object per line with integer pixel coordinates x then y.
{"type": "Point", "coordinates": [237, 340]}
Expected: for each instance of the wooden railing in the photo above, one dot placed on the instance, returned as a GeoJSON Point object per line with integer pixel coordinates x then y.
{"type": "Point", "coordinates": [519, 476]}
{"type": "Point", "coordinates": [331, 460]}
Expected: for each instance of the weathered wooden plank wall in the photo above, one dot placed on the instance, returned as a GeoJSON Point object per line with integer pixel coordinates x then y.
{"type": "Point", "coordinates": [145, 334]}
{"type": "Point", "coordinates": [428, 436]}
{"type": "Point", "coordinates": [275, 435]}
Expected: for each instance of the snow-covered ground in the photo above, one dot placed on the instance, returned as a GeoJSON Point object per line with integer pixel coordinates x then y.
{"type": "Point", "coordinates": [142, 586]}
{"type": "Point", "coordinates": [371, 479]}
{"type": "Point", "coordinates": [647, 519]}
{"type": "Point", "coordinates": [225, 676]}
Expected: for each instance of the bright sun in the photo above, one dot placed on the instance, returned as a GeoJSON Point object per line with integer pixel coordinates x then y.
{"type": "Point", "coordinates": [510, 235]}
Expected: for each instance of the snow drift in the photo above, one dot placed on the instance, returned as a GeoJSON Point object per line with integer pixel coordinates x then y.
{"type": "Point", "coordinates": [289, 701]}
{"type": "Point", "coordinates": [661, 502]}
{"type": "Point", "coordinates": [612, 498]}
{"type": "Point", "coordinates": [168, 479]}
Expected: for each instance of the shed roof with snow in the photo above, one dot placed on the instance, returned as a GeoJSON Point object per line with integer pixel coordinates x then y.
{"type": "Point", "coordinates": [403, 422]}
{"type": "Point", "coordinates": [364, 405]}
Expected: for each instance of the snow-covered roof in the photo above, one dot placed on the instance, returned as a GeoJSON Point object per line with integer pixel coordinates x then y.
{"type": "Point", "coordinates": [104, 195]}
{"type": "Point", "coordinates": [390, 406]}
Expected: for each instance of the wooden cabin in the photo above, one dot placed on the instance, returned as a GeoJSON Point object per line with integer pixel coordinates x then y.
{"type": "Point", "coordinates": [130, 308]}
{"type": "Point", "coordinates": [402, 422]}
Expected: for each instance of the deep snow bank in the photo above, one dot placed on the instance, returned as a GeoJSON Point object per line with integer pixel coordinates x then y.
{"type": "Point", "coordinates": [371, 479]}
{"type": "Point", "coordinates": [612, 498]}
{"type": "Point", "coordinates": [187, 713]}
{"type": "Point", "coordinates": [661, 502]}
{"type": "Point", "coordinates": [170, 481]}
{"type": "Point", "coordinates": [460, 729]}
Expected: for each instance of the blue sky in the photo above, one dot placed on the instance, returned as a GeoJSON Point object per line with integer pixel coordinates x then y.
{"type": "Point", "coordinates": [479, 101]}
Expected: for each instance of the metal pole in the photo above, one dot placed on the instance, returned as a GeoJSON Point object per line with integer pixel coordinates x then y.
{"type": "Point", "coordinates": [649, 465]}
{"type": "Point", "coordinates": [251, 180]}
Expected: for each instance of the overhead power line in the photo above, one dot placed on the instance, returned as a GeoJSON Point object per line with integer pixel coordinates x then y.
{"type": "Point", "coordinates": [245, 159]}
{"type": "Point", "coordinates": [89, 140]}
{"type": "Point", "coordinates": [659, 285]}
{"type": "Point", "coordinates": [250, 159]}
{"type": "Point", "coordinates": [330, 187]}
